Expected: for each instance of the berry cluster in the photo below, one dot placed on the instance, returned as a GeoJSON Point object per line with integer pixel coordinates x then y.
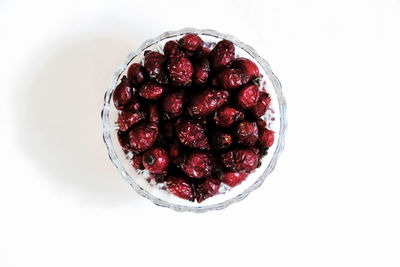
{"type": "Point", "coordinates": [191, 116]}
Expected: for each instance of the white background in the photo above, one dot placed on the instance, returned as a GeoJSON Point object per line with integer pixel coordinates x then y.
{"type": "Point", "coordinates": [333, 199]}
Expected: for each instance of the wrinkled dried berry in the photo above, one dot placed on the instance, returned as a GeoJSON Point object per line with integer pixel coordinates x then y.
{"type": "Point", "coordinates": [262, 105]}
{"type": "Point", "coordinates": [227, 115]}
{"type": "Point", "coordinates": [198, 165]}
{"type": "Point", "coordinates": [137, 161]}
{"type": "Point", "coordinates": [222, 55]}
{"type": "Point", "coordinates": [151, 91]}
{"type": "Point", "coordinates": [128, 119]}
{"type": "Point", "coordinates": [175, 150]}
{"type": "Point", "coordinates": [261, 123]}
{"type": "Point", "coordinates": [134, 105]}
{"type": "Point", "coordinates": [230, 79]}
{"type": "Point", "coordinates": [192, 134]}
{"type": "Point", "coordinates": [221, 140]}
{"type": "Point", "coordinates": [171, 48]}
{"type": "Point", "coordinates": [247, 97]}
{"type": "Point", "coordinates": [201, 72]}
{"type": "Point", "coordinates": [247, 66]}
{"type": "Point", "coordinates": [191, 42]}
{"type": "Point", "coordinates": [143, 136]}
{"type": "Point", "coordinates": [180, 187]}
{"type": "Point", "coordinates": [233, 178]}
{"type": "Point", "coordinates": [136, 75]}
{"type": "Point", "coordinates": [207, 102]}
{"type": "Point", "coordinates": [123, 139]}
{"type": "Point", "coordinates": [207, 188]}
{"type": "Point", "coordinates": [247, 133]}
{"type": "Point", "coordinates": [180, 69]}
{"type": "Point", "coordinates": [266, 138]}
{"type": "Point", "coordinates": [154, 115]}
{"type": "Point", "coordinates": [240, 160]}
{"type": "Point", "coordinates": [173, 104]}
{"type": "Point", "coordinates": [156, 160]}
{"type": "Point", "coordinates": [123, 94]}
{"type": "Point", "coordinates": [153, 63]}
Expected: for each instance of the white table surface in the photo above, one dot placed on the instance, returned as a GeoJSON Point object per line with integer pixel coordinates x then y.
{"type": "Point", "coordinates": [333, 199]}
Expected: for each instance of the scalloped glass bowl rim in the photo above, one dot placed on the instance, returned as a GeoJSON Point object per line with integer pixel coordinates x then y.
{"type": "Point", "coordinates": [282, 108]}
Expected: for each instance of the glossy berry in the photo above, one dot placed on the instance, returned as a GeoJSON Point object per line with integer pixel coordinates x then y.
{"type": "Point", "coordinates": [247, 66]}
{"type": "Point", "coordinates": [233, 178]}
{"type": "Point", "coordinates": [227, 115]}
{"type": "Point", "coordinates": [154, 65]}
{"type": "Point", "coordinates": [123, 94]}
{"type": "Point", "coordinates": [180, 69]}
{"type": "Point", "coordinates": [143, 136]}
{"type": "Point", "coordinates": [198, 165]}
{"type": "Point", "coordinates": [128, 119]}
{"type": "Point", "coordinates": [240, 160]}
{"type": "Point", "coordinates": [151, 91]}
{"type": "Point", "coordinates": [230, 79]}
{"type": "Point", "coordinates": [192, 134]}
{"type": "Point", "coordinates": [154, 115]}
{"type": "Point", "coordinates": [262, 105]}
{"type": "Point", "coordinates": [137, 161]}
{"type": "Point", "coordinates": [191, 42]}
{"type": "Point", "coordinates": [136, 75]}
{"type": "Point", "coordinates": [201, 72]}
{"type": "Point", "coordinates": [221, 140]}
{"type": "Point", "coordinates": [207, 101]}
{"type": "Point", "coordinates": [123, 139]}
{"type": "Point", "coordinates": [134, 105]}
{"type": "Point", "coordinates": [247, 97]}
{"type": "Point", "coordinates": [173, 104]}
{"type": "Point", "coordinates": [180, 187]}
{"type": "Point", "coordinates": [156, 160]}
{"type": "Point", "coordinates": [266, 138]}
{"type": "Point", "coordinates": [175, 150]}
{"type": "Point", "coordinates": [222, 55]}
{"type": "Point", "coordinates": [207, 188]}
{"type": "Point", "coordinates": [247, 133]}
{"type": "Point", "coordinates": [171, 48]}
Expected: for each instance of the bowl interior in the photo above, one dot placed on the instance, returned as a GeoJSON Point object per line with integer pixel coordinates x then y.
{"type": "Point", "coordinates": [140, 180]}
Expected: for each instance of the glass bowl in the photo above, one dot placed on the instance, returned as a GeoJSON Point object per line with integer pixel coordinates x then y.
{"type": "Point", "coordinates": [157, 193]}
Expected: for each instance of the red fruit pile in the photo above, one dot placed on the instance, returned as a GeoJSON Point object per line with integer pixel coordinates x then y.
{"type": "Point", "coordinates": [192, 117]}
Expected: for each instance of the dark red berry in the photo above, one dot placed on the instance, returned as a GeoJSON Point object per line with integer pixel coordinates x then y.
{"type": "Point", "coordinates": [207, 101]}
{"type": "Point", "coordinates": [136, 75]}
{"type": "Point", "coordinates": [266, 138]}
{"type": "Point", "coordinates": [156, 160]}
{"type": "Point", "coordinates": [230, 79]}
{"type": "Point", "coordinates": [222, 55]}
{"type": "Point", "coordinates": [143, 136]}
{"type": "Point", "coordinates": [201, 54]}
{"type": "Point", "coordinates": [123, 94]}
{"type": "Point", "coordinates": [192, 134]}
{"type": "Point", "coordinates": [201, 72]}
{"type": "Point", "coordinates": [262, 105]}
{"type": "Point", "coordinates": [180, 187]}
{"type": "Point", "coordinates": [134, 105]}
{"type": "Point", "coordinates": [261, 123]}
{"type": "Point", "coordinates": [173, 104]}
{"type": "Point", "coordinates": [247, 66]}
{"type": "Point", "coordinates": [198, 165]}
{"type": "Point", "coordinates": [126, 119]}
{"type": "Point", "coordinates": [207, 188]}
{"type": "Point", "coordinates": [168, 130]}
{"type": "Point", "coordinates": [154, 115]}
{"type": "Point", "coordinates": [151, 91]}
{"type": "Point", "coordinates": [247, 133]}
{"type": "Point", "coordinates": [240, 160]}
{"type": "Point", "coordinates": [191, 42]}
{"type": "Point", "coordinates": [227, 115]}
{"type": "Point", "coordinates": [221, 140]}
{"type": "Point", "coordinates": [180, 69]}
{"type": "Point", "coordinates": [175, 150]}
{"type": "Point", "coordinates": [233, 178]}
{"type": "Point", "coordinates": [123, 139]}
{"type": "Point", "coordinates": [137, 161]}
{"type": "Point", "coordinates": [153, 63]}
{"type": "Point", "coordinates": [171, 48]}
{"type": "Point", "coordinates": [247, 97]}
